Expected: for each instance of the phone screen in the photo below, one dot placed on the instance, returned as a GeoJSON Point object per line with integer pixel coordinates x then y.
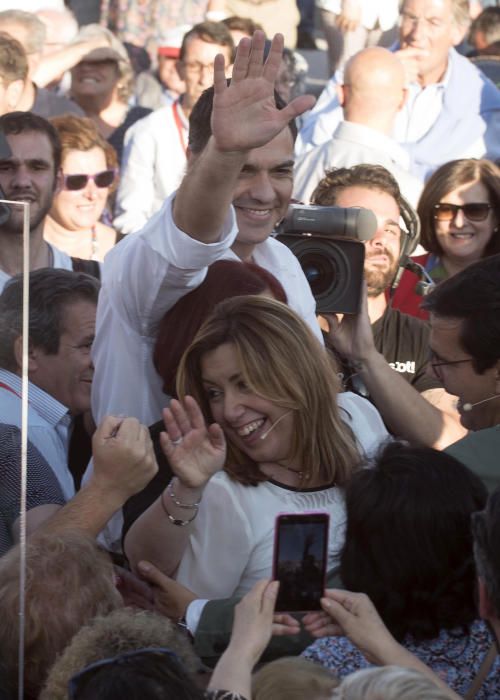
{"type": "Point", "coordinates": [300, 560]}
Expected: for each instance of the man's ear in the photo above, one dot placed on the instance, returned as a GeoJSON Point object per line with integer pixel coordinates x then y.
{"type": "Point", "coordinates": [404, 97]}
{"type": "Point", "coordinates": [59, 181]}
{"type": "Point", "coordinates": [486, 608]}
{"type": "Point", "coordinates": [458, 33]}
{"type": "Point", "coordinates": [180, 69]}
{"type": "Point", "coordinates": [32, 355]}
{"type": "Point", "coordinates": [340, 93]}
{"type": "Point", "coordinates": [14, 91]}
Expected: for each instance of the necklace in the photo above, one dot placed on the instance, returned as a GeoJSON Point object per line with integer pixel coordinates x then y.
{"type": "Point", "coordinates": [302, 475]}
{"type": "Point", "coordinates": [94, 244]}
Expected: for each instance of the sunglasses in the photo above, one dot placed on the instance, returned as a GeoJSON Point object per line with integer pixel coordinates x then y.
{"type": "Point", "coordinates": [79, 680]}
{"type": "Point", "coordinates": [79, 182]}
{"type": "Point", "coordinates": [474, 211]}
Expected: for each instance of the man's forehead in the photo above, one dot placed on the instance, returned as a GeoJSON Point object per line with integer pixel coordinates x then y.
{"type": "Point", "coordinates": [197, 46]}
{"type": "Point", "coordinates": [428, 8]}
{"type": "Point", "coordinates": [371, 197]}
{"type": "Point", "coordinates": [32, 144]}
{"type": "Point", "coordinates": [275, 153]}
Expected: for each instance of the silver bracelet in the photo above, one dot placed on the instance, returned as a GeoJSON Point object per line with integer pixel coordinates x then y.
{"type": "Point", "coordinates": [179, 504]}
{"type": "Point", "coordinates": [176, 521]}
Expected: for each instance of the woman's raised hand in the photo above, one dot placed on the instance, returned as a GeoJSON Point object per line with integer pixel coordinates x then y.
{"type": "Point", "coordinates": [195, 451]}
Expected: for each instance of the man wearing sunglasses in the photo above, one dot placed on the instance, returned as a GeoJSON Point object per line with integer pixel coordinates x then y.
{"type": "Point", "coordinates": [30, 157]}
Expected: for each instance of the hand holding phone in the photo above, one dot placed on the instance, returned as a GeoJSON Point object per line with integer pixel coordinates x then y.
{"type": "Point", "coordinates": [300, 560]}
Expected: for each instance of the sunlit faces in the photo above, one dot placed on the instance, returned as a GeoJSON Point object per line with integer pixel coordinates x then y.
{"type": "Point", "coordinates": [429, 25]}
{"type": "Point", "coordinates": [81, 209]}
{"type": "Point", "coordinates": [382, 251]}
{"type": "Point", "coordinates": [94, 79]}
{"type": "Point", "coordinates": [67, 375]}
{"type": "Point", "coordinates": [462, 239]}
{"type": "Point", "coordinates": [28, 175]}
{"type": "Point", "coordinates": [196, 69]}
{"type": "Point", "coordinates": [244, 416]}
{"type": "Point", "coordinates": [263, 192]}
{"type": "Point", "coordinates": [459, 378]}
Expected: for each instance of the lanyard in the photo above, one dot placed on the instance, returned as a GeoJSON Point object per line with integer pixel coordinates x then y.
{"type": "Point", "coordinates": [179, 125]}
{"type": "Point", "coordinates": [5, 386]}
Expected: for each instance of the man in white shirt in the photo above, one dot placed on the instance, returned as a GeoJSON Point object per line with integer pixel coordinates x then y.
{"type": "Point", "coordinates": [237, 187]}
{"type": "Point", "coordinates": [154, 158]}
{"type": "Point", "coordinates": [372, 93]}
{"type": "Point", "coordinates": [452, 111]}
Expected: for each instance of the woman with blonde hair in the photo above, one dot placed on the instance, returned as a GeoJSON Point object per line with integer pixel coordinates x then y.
{"type": "Point", "coordinates": [89, 175]}
{"type": "Point", "coordinates": [280, 439]}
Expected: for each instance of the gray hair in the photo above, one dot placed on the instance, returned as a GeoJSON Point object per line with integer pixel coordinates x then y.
{"type": "Point", "coordinates": [388, 683]}
{"type": "Point", "coordinates": [35, 28]}
{"type": "Point", "coordinates": [51, 291]}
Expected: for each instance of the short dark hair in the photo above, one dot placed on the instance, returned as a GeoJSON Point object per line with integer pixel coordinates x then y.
{"type": "Point", "coordinates": [200, 128]}
{"type": "Point", "coordinates": [408, 542]}
{"type": "Point", "coordinates": [51, 291]}
{"type": "Point", "coordinates": [486, 535]}
{"type": "Point", "coordinates": [449, 177]}
{"type": "Point", "coordinates": [13, 61]}
{"type": "Point", "coordinates": [473, 296]}
{"type": "Point", "coordinates": [21, 122]}
{"type": "Point", "coordinates": [246, 25]}
{"type": "Point", "coordinates": [488, 23]}
{"type": "Point", "coordinates": [212, 33]}
{"type": "Point", "coordinates": [373, 177]}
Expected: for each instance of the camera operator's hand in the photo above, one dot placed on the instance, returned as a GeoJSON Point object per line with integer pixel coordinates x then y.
{"type": "Point", "coordinates": [351, 335]}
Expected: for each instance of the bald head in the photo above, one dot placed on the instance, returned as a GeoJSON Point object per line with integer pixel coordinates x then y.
{"type": "Point", "coordinates": [374, 88]}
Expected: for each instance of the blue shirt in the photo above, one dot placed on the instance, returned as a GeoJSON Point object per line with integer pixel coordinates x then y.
{"type": "Point", "coordinates": [49, 425]}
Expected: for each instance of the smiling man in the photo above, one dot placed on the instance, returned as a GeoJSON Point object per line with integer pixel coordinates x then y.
{"type": "Point", "coordinates": [237, 187]}
{"type": "Point", "coordinates": [154, 158]}
{"type": "Point", "coordinates": [60, 369]}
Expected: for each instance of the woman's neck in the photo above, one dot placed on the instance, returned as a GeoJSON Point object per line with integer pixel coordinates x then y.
{"type": "Point", "coordinates": [107, 116]}
{"type": "Point", "coordinates": [80, 243]}
{"type": "Point", "coordinates": [290, 476]}
{"type": "Point", "coordinates": [455, 265]}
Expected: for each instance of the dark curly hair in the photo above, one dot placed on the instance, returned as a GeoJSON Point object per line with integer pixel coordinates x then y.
{"type": "Point", "coordinates": [408, 542]}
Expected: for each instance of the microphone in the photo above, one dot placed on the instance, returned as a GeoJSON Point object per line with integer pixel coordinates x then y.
{"type": "Point", "coordinates": [263, 437]}
{"type": "Point", "coordinates": [352, 222]}
{"type": "Point", "coordinates": [469, 406]}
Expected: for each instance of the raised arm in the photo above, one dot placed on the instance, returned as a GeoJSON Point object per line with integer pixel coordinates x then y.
{"type": "Point", "coordinates": [195, 452]}
{"type": "Point", "coordinates": [244, 117]}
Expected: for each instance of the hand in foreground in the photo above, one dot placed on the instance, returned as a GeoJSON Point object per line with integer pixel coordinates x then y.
{"type": "Point", "coordinates": [135, 593]}
{"type": "Point", "coordinates": [352, 337]}
{"type": "Point", "coordinates": [355, 616]}
{"type": "Point", "coordinates": [124, 460]}
{"type": "Point", "coordinates": [196, 452]}
{"type": "Point", "coordinates": [244, 114]}
{"type": "Point", "coordinates": [171, 599]}
{"type": "Point", "coordinates": [255, 621]}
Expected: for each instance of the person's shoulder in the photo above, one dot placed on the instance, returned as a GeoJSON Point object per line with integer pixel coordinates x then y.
{"type": "Point", "coordinates": [406, 322]}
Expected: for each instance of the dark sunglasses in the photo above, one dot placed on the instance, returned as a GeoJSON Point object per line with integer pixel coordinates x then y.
{"type": "Point", "coordinates": [78, 681]}
{"type": "Point", "coordinates": [78, 182]}
{"type": "Point", "coordinates": [474, 211]}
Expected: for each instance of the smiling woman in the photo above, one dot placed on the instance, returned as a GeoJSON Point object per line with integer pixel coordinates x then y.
{"type": "Point", "coordinates": [459, 209]}
{"type": "Point", "coordinates": [283, 440]}
{"type": "Point", "coordinates": [89, 168]}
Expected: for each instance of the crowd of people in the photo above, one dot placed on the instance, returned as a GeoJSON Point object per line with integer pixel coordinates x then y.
{"type": "Point", "coordinates": [183, 385]}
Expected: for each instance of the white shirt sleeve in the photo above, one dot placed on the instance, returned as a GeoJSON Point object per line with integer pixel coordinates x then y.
{"type": "Point", "coordinates": [220, 547]}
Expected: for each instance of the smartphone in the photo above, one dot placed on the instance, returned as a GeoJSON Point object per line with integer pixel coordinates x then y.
{"type": "Point", "coordinates": [300, 560]}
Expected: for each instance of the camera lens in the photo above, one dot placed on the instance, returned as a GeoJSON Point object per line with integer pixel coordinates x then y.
{"type": "Point", "coordinates": [321, 272]}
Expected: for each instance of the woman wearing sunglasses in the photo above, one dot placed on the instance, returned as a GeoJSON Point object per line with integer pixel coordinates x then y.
{"type": "Point", "coordinates": [89, 173]}
{"type": "Point", "coordinates": [460, 212]}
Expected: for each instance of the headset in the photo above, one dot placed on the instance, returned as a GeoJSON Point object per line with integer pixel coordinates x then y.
{"type": "Point", "coordinates": [410, 238]}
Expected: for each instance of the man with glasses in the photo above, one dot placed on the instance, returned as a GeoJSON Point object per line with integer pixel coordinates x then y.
{"type": "Point", "coordinates": [452, 110]}
{"type": "Point", "coordinates": [465, 356]}
{"type": "Point", "coordinates": [154, 157]}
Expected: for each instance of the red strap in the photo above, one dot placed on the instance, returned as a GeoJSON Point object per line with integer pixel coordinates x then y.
{"type": "Point", "coordinates": [179, 125]}
{"type": "Point", "coordinates": [5, 386]}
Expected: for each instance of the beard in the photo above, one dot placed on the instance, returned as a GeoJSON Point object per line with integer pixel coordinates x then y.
{"type": "Point", "coordinates": [14, 225]}
{"type": "Point", "coordinates": [377, 278]}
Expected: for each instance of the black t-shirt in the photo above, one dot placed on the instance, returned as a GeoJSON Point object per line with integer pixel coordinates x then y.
{"type": "Point", "coordinates": [403, 340]}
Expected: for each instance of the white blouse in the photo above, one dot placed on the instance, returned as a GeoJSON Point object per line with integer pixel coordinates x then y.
{"type": "Point", "coordinates": [231, 547]}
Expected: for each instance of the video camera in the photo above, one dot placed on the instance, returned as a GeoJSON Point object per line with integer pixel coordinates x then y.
{"type": "Point", "coordinates": [328, 242]}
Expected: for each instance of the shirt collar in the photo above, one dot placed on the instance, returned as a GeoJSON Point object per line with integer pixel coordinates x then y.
{"type": "Point", "coordinates": [49, 408]}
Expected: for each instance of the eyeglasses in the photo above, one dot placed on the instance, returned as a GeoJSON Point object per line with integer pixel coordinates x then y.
{"type": "Point", "coordinates": [441, 363]}
{"type": "Point", "coordinates": [196, 68]}
{"type": "Point", "coordinates": [474, 211]}
{"type": "Point", "coordinates": [78, 681]}
{"type": "Point", "coordinates": [79, 182]}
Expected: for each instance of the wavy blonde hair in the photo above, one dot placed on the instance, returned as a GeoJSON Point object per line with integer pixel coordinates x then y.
{"type": "Point", "coordinates": [282, 361]}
